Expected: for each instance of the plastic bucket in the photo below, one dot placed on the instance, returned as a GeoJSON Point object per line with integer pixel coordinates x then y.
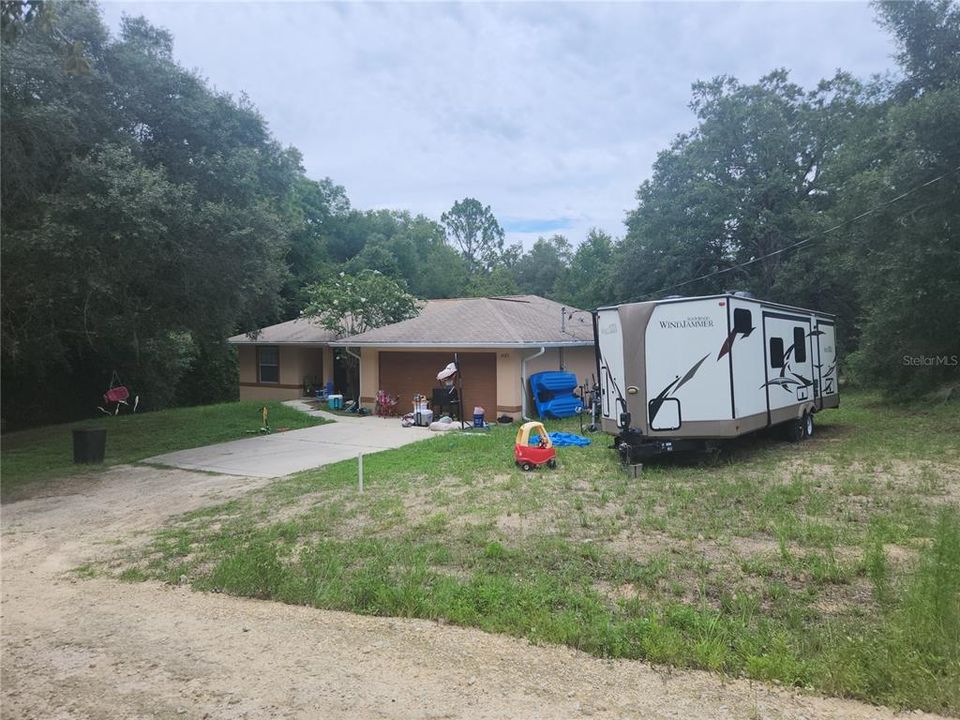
{"type": "Point", "coordinates": [478, 417]}
{"type": "Point", "coordinates": [89, 445]}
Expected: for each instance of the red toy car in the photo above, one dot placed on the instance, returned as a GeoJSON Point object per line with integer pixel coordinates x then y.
{"type": "Point", "coordinates": [542, 452]}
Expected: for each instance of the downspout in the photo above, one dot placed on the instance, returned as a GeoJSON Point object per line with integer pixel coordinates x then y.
{"type": "Point", "coordinates": [359, 374]}
{"type": "Point", "coordinates": [523, 381]}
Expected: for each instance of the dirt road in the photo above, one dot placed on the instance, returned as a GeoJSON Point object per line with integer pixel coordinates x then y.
{"type": "Point", "coordinates": [102, 649]}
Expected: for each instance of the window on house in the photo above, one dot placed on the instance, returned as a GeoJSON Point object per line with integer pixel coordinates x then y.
{"type": "Point", "coordinates": [776, 352]}
{"type": "Point", "coordinates": [268, 364]}
{"type": "Point", "coordinates": [799, 345]}
{"type": "Point", "coordinates": [742, 321]}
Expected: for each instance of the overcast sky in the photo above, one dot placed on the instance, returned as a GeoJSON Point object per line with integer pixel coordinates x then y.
{"type": "Point", "coordinates": [550, 113]}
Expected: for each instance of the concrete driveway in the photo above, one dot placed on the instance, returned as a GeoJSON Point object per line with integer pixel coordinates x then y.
{"type": "Point", "coordinates": [295, 450]}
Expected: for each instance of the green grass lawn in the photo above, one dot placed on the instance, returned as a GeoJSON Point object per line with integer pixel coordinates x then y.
{"type": "Point", "coordinates": [31, 458]}
{"type": "Point", "coordinates": [832, 565]}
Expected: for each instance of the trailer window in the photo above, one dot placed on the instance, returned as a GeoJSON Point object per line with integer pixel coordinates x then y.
{"type": "Point", "coordinates": [742, 321]}
{"type": "Point", "coordinates": [799, 345]}
{"type": "Point", "coordinates": [776, 352]}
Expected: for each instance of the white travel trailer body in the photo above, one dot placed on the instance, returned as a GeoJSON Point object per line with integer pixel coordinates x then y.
{"type": "Point", "coordinates": [682, 373]}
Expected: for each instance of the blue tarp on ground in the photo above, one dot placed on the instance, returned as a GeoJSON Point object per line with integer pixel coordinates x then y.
{"type": "Point", "coordinates": [563, 439]}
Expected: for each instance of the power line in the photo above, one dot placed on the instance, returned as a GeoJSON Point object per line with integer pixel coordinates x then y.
{"type": "Point", "coordinates": [800, 243]}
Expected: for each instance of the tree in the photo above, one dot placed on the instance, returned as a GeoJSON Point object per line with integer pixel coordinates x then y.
{"type": "Point", "coordinates": [320, 209]}
{"type": "Point", "coordinates": [587, 282]}
{"type": "Point", "coordinates": [442, 273]}
{"type": "Point", "coordinates": [145, 218]}
{"type": "Point", "coordinates": [15, 15]}
{"type": "Point", "coordinates": [473, 228]}
{"type": "Point", "coordinates": [907, 254]}
{"type": "Point", "coordinates": [540, 270]}
{"type": "Point", "coordinates": [750, 179]}
{"type": "Point", "coordinates": [928, 37]}
{"type": "Point", "coordinates": [353, 304]}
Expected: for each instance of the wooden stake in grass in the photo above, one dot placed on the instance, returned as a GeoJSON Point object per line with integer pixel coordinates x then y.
{"type": "Point", "coordinates": [360, 472]}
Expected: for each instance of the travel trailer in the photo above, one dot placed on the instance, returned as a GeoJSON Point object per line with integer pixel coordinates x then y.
{"type": "Point", "coordinates": [686, 373]}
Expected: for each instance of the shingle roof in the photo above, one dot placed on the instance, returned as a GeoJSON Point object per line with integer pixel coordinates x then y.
{"type": "Point", "coordinates": [298, 331]}
{"type": "Point", "coordinates": [515, 320]}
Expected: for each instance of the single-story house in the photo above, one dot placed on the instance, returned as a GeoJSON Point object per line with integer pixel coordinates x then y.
{"type": "Point", "coordinates": [279, 361]}
{"type": "Point", "coordinates": [500, 342]}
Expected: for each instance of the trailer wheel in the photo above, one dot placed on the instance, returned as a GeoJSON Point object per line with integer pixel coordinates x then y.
{"type": "Point", "coordinates": [808, 425]}
{"type": "Point", "coordinates": [795, 429]}
{"type": "Point", "coordinates": [526, 467]}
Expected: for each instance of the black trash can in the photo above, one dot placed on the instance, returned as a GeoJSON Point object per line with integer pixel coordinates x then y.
{"type": "Point", "coordinates": [89, 445]}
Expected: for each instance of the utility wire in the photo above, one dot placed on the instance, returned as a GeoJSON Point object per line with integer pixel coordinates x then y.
{"type": "Point", "coordinates": [800, 243]}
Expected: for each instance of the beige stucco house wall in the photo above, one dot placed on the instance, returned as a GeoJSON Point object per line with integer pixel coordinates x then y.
{"type": "Point", "coordinates": [303, 352]}
{"type": "Point", "coordinates": [296, 364]}
{"type": "Point", "coordinates": [578, 360]}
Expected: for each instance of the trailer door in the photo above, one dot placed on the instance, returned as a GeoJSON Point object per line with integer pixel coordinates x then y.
{"type": "Point", "coordinates": [828, 389]}
{"type": "Point", "coordinates": [789, 361]}
{"type": "Point", "coordinates": [609, 345]}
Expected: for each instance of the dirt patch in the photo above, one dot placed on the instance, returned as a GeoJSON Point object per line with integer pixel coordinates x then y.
{"type": "Point", "coordinates": [835, 600]}
{"type": "Point", "coordinates": [643, 545]}
{"type": "Point", "coordinates": [803, 467]}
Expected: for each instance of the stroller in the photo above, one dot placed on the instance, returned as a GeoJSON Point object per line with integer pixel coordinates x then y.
{"type": "Point", "coordinates": [117, 396]}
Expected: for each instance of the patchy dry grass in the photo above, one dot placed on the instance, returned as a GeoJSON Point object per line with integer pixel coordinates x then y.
{"type": "Point", "coordinates": [833, 564]}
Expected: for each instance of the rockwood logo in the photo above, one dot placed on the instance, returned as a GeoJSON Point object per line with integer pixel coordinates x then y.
{"type": "Point", "coordinates": [701, 321]}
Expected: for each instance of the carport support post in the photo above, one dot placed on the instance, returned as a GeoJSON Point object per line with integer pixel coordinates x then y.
{"type": "Point", "coordinates": [360, 471]}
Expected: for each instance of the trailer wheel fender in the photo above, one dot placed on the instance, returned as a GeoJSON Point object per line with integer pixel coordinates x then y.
{"type": "Point", "coordinates": [804, 410]}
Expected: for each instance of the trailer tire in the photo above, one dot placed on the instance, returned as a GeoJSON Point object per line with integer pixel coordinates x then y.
{"type": "Point", "coordinates": [526, 467]}
{"type": "Point", "coordinates": [795, 429]}
{"type": "Point", "coordinates": [808, 428]}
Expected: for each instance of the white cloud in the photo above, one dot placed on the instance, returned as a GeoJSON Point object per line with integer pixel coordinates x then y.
{"type": "Point", "coordinates": [543, 111]}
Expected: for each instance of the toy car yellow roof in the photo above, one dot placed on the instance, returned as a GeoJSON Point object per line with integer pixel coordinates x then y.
{"type": "Point", "coordinates": [532, 428]}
